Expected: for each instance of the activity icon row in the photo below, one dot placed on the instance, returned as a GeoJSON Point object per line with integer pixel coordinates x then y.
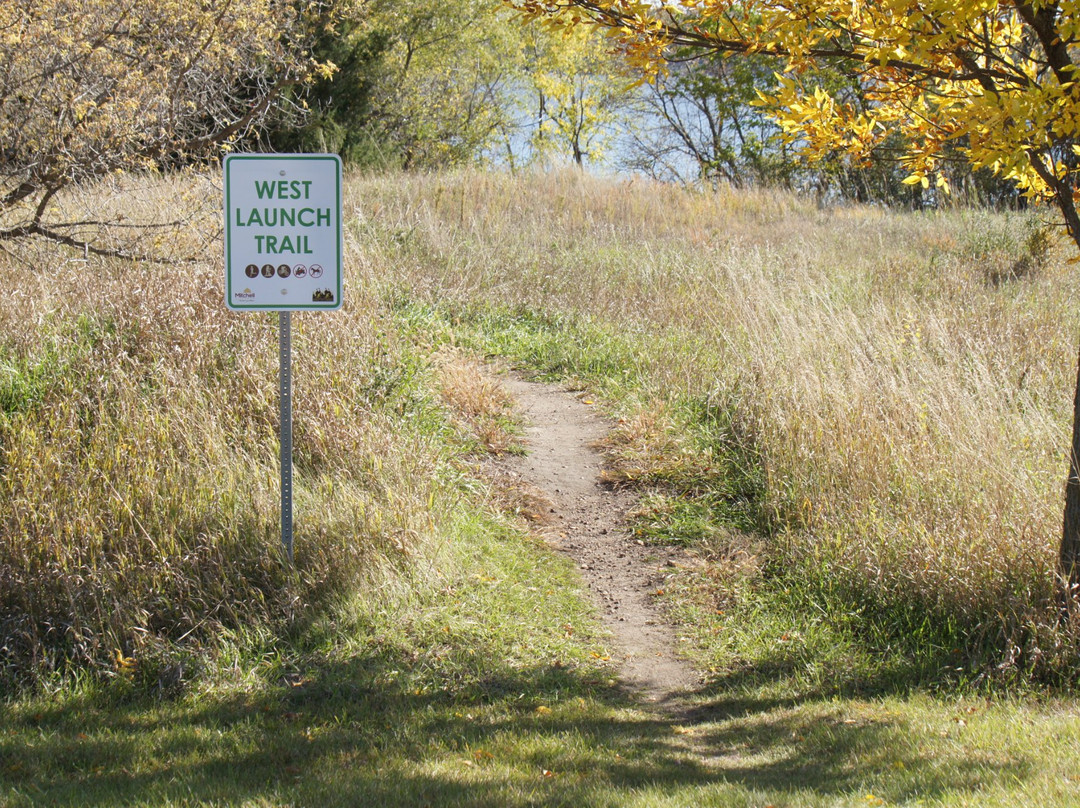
{"type": "Point", "coordinates": [283, 271]}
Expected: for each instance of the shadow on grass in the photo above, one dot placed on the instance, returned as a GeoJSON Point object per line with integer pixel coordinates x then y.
{"type": "Point", "coordinates": [833, 740]}
{"type": "Point", "coordinates": [368, 731]}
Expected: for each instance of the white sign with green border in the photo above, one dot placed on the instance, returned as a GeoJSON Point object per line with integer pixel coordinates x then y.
{"type": "Point", "coordinates": [283, 247]}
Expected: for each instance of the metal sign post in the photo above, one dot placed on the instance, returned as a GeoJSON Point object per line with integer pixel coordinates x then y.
{"type": "Point", "coordinates": [285, 361]}
{"type": "Point", "coordinates": [283, 253]}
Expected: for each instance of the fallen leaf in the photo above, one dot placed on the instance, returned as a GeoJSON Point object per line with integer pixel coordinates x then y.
{"type": "Point", "coordinates": [124, 664]}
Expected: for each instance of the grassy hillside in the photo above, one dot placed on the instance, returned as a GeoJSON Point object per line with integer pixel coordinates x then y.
{"type": "Point", "coordinates": [865, 412]}
{"type": "Point", "coordinates": [853, 414]}
{"type": "Point", "coordinates": [869, 408]}
{"type": "Point", "coordinates": [854, 420]}
{"type": "Point", "coordinates": [138, 451]}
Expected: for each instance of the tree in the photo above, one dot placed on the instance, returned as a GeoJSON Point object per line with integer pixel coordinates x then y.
{"type": "Point", "coordinates": [703, 121]}
{"type": "Point", "coordinates": [340, 106]}
{"type": "Point", "coordinates": [417, 84]}
{"type": "Point", "coordinates": [441, 87]}
{"type": "Point", "coordinates": [424, 83]}
{"type": "Point", "coordinates": [992, 80]}
{"type": "Point", "coordinates": [96, 87]}
{"type": "Point", "coordinates": [580, 93]}
{"type": "Point", "coordinates": [702, 117]}
{"type": "Point", "coordinates": [455, 81]}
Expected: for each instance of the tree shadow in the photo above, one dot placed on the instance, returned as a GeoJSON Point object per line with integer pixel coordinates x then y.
{"type": "Point", "coordinates": [361, 732]}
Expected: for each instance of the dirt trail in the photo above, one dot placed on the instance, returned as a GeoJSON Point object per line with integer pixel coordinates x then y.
{"type": "Point", "coordinates": [586, 521]}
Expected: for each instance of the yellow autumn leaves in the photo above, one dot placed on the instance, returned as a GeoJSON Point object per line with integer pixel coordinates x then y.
{"type": "Point", "coordinates": [989, 80]}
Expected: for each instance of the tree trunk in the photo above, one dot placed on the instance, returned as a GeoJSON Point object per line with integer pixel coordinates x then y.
{"type": "Point", "coordinates": [1069, 552]}
{"type": "Point", "coordinates": [1069, 555]}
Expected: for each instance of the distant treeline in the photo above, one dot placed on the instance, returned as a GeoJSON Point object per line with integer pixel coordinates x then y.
{"type": "Point", "coordinates": [424, 84]}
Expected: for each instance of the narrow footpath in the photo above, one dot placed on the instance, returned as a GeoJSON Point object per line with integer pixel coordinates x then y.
{"type": "Point", "coordinates": [586, 520]}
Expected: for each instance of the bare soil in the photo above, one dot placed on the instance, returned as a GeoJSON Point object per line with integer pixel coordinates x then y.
{"type": "Point", "coordinates": [586, 519]}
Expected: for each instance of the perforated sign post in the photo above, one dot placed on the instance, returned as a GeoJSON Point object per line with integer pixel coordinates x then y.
{"type": "Point", "coordinates": [283, 251]}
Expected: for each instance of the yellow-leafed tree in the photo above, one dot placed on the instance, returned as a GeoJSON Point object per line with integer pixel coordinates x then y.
{"type": "Point", "coordinates": [997, 79]}
{"type": "Point", "coordinates": [582, 92]}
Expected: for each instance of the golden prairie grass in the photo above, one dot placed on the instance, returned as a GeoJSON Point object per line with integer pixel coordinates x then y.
{"type": "Point", "coordinates": [479, 404]}
{"type": "Point", "coordinates": [138, 444]}
{"type": "Point", "coordinates": [901, 383]}
{"type": "Point", "coordinates": [904, 380]}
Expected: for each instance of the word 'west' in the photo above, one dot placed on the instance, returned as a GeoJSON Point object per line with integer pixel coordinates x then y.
{"type": "Point", "coordinates": [283, 216]}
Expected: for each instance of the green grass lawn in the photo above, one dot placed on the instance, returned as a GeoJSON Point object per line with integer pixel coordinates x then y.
{"type": "Point", "coordinates": [377, 728]}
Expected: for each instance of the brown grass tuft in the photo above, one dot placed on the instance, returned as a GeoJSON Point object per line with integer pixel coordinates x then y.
{"type": "Point", "coordinates": [478, 404]}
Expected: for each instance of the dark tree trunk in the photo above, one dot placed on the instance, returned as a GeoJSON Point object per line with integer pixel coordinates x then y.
{"type": "Point", "coordinates": [1069, 555]}
{"type": "Point", "coordinates": [1069, 552]}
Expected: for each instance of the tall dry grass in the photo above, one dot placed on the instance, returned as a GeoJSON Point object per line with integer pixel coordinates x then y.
{"type": "Point", "coordinates": [904, 380]}
{"type": "Point", "coordinates": [138, 445]}
{"type": "Point", "coordinates": [902, 383]}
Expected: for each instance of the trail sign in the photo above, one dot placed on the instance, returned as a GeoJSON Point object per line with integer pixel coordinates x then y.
{"type": "Point", "coordinates": [283, 232]}
{"type": "Point", "coordinates": [283, 254]}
